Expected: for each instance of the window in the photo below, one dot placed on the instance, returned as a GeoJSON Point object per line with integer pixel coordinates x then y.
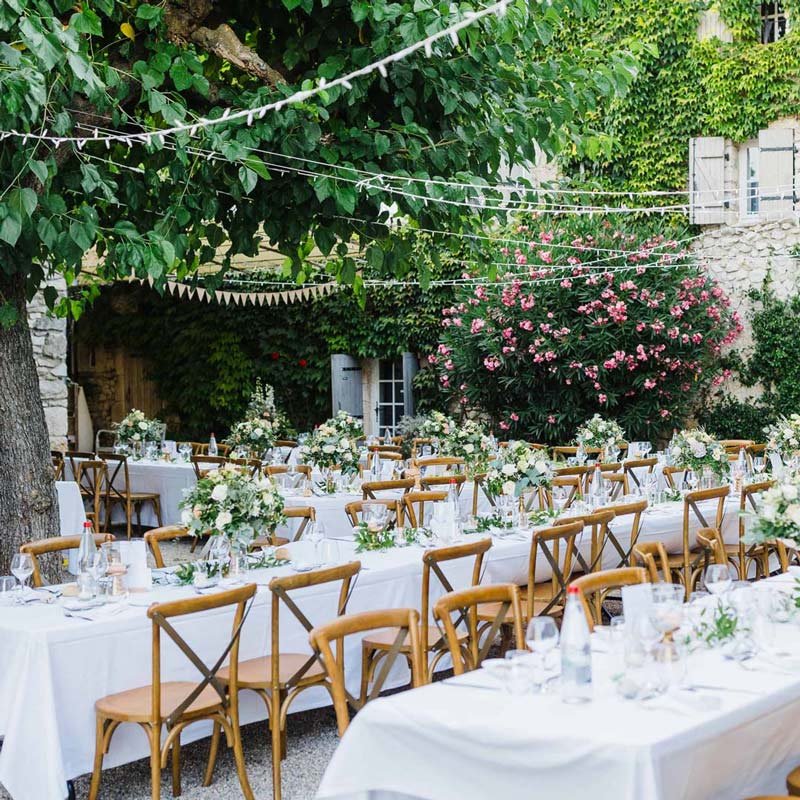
{"type": "Point", "coordinates": [751, 180]}
{"type": "Point", "coordinates": [773, 22]}
{"type": "Point", "coordinates": [391, 398]}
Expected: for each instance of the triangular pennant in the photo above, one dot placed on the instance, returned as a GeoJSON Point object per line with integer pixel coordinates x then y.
{"type": "Point", "coordinates": [200, 294]}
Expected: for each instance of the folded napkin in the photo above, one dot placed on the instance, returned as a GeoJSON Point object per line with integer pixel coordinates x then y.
{"type": "Point", "coordinates": [96, 614]}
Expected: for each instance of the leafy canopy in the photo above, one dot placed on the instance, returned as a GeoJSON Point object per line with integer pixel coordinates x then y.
{"type": "Point", "coordinates": [177, 204]}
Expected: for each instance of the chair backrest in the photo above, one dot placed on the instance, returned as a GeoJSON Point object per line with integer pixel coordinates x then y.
{"type": "Point", "coordinates": [385, 448]}
{"type": "Point", "coordinates": [633, 510]}
{"type": "Point", "coordinates": [465, 603]}
{"type": "Point", "coordinates": [282, 591]}
{"type": "Point", "coordinates": [733, 446]}
{"type": "Point", "coordinates": [282, 469]}
{"type": "Point", "coordinates": [55, 544]}
{"type": "Point", "coordinates": [383, 455]}
{"type": "Point", "coordinates": [204, 464]}
{"type": "Point", "coordinates": [416, 517]}
{"type": "Point", "coordinates": [563, 452]}
{"type": "Point", "coordinates": [251, 465]}
{"type": "Point", "coordinates": [286, 443]}
{"type": "Point", "coordinates": [597, 522]}
{"type": "Point", "coordinates": [155, 536]}
{"type": "Point", "coordinates": [404, 620]}
{"type": "Point", "coordinates": [690, 505]}
{"type": "Point", "coordinates": [634, 464]}
{"type": "Point", "coordinates": [653, 557]}
{"type": "Point", "coordinates": [306, 514]}
{"type": "Point", "coordinates": [161, 615]}
{"type": "Point", "coordinates": [451, 463]}
{"type": "Point", "coordinates": [431, 566]}
{"type": "Point", "coordinates": [556, 545]}
{"type": "Point", "coordinates": [432, 483]}
{"type": "Point", "coordinates": [118, 484]}
{"type": "Point", "coordinates": [573, 484]}
{"type": "Point", "coordinates": [368, 488]}
{"type": "Point", "coordinates": [417, 444]}
{"type": "Point", "coordinates": [355, 509]}
{"type": "Point", "coordinates": [57, 459]}
{"type": "Point", "coordinates": [92, 477]}
{"type": "Point", "coordinates": [75, 457]}
{"type": "Point", "coordinates": [594, 588]}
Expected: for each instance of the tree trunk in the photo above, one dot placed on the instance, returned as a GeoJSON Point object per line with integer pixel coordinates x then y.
{"type": "Point", "coordinates": [28, 502]}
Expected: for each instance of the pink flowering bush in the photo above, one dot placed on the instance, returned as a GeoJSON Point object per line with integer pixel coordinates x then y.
{"type": "Point", "coordinates": [587, 319]}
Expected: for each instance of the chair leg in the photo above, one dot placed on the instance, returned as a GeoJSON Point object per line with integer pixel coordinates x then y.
{"type": "Point", "coordinates": [278, 751]}
{"type": "Point", "coordinates": [238, 754]}
{"type": "Point", "coordinates": [139, 517]}
{"type": "Point", "coordinates": [176, 767]}
{"type": "Point", "coordinates": [97, 770]}
{"type": "Point", "coordinates": [157, 507]}
{"type": "Point", "coordinates": [155, 762]}
{"type": "Point", "coordinates": [212, 756]}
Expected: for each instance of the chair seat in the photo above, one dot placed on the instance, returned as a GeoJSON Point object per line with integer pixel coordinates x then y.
{"type": "Point", "coordinates": [257, 672]}
{"type": "Point", "coordinates": [134, 705]}
{"type": "Point", "coordinates": [384, 639]}
{"type": "Point", "coordinates": [136, 497]}
{"type": "Point", "coordinates": [487, 612]}
{"type": "Point", "coordinates": [793, 782]}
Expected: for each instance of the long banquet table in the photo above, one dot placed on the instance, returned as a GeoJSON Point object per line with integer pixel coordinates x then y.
{"type": "Point", "coordinates": [53, 668]}
{"type": "Point", "coordinates": [474, 740]}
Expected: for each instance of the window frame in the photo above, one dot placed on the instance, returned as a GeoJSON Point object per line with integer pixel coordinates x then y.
{"type": "Point", "coordinates": [778, 13]}
{"type": "Point", "coordinates": [749, 188]}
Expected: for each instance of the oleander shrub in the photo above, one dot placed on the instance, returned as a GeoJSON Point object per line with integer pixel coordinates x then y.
{"type": "Point", "coordinates": [582, 319]}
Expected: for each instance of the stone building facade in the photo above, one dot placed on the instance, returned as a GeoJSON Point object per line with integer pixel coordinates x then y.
{"type": "Point", "coordinates": [49, 337]}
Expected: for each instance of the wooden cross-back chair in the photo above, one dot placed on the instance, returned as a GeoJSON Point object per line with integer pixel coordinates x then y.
{"type": "Point", "coordinates": [624, 512]}
{"type": "Point", "coordinates": [118, 493]}
{"type": "Point", "coordinates": [369, 488]}
{"type": "Point", "coordinates": [383, 455]}
{"type": "Point", "coordinates": [75, 457]}
{"type": "Point", "coordinates": [596, 587]}
{"type": "Point", "coordinates": [432, 640]}
{"type": "Point", "coordinates": [653, 557]}
{"type": "Point", "coordinates": [55, 544]}
{"type": "Point", "coordinates": [326, 637]}
{"type": "Point", "coordinates": [92, 477]}
{"type": "Point", "coordinates": [697, 555]}
{"type": "Point", "coordinates": [612, 472]}
{"type": "Point", "coordinates": [733, 446]}
{"type": "Point", "coordinates": [741, 555]}
{"type": "Point", "coordinates": [634, 464]}
{"type": "Point", "coordinates": [464, 604]}
{"type": "Point", "coordinates": [279, 677]}
{"type": "Point", "coordinates": [306, 515]}
{"type": "Point", "coordinates": [572, 484]}
{"type": "Point", "coordinates": [416, 518]}
{"type": "Point", "coordinates": [417, 444]}
{"type": "Point", "coordinates": [155, 536]}
{"type": "Point", "coordinates": [173, 705]}
{"type": "Point", "coordinates": [597, 523]}
{"type": "Point", "coordinates": [385, 448]}
{"type": "Point", "coordinates": [556, 546]}
{"type": "Point", "coordinates": [355, 511]}
{"type": "Point", "coordinates": [478, 486]}
{"type": "Point", "coordinates": [436, 483]}
{"type": "Point", "coordinates": [204, 464]}
{"type": "Point", "coordinates": [301, 471]}
{"type": "Point", "coordinates": [57, 460]}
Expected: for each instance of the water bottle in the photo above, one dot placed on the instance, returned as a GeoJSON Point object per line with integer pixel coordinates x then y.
{"type": "Point", "coordinates": [598, 486]}
{"type": "Point", "coordinates": [576, 652]}
{"type": "Point", "coordinates": [455, 508]}
{"type": "Point", "coordinates": [377, 467]}
{"type": "Point", "coordinates": [212, 445]}
{"type": "Point", "coordinates": [86, 549]}
{"type": "Point", "coordinates": [739, 471]}
{"type": "Point", "coordinates": [387, 437]}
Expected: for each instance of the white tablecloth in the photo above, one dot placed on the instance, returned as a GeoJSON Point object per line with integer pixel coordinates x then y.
{"type": "Point", "coordinates": [71, 513]}
{"type": "Point", "coordinates": [442, 742]}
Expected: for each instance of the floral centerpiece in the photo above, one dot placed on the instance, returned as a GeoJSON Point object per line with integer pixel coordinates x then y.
{"type": "Point", "coordinates": [136, 427]}
{"type": "Point", "coordinates": [470, 442]}
{"type": "Point", "coordinates": [778, 514]}
{"type": "Point", "coordinates": [347, 425]}
{"type": "Point", "coordinates": [600, 433]}
{"type": "Point", "coordinates": [784, 435]}
{"type": "Point", "coordinates": [436, 426]}
{"type": "Point", "coordinates": [697, 450]}
{"type": "Point", "coordinates": [261, 406]}
{"type": "Point", "coordinates": [518, 467]}
{"type": "Point", "coordinates": [332, 445]}
{"type": "Point", "coordinates": [257, 435]}
{"type": "Point", "coordinates": [232, 503]}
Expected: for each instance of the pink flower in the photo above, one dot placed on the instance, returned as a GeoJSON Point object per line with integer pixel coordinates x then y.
{"type": "Point", "coordinates": [601, 398]}
{"type": "Point", "coordinates": [444, 350]}
{"type": "Point", "coordinates": [504, 426]}
{"type": "Point", "coordinates": [551, 419]}
{"type": "Point", "coordinates": [491, 363]}
{"type": "Point", "coordinates": [515, 416]}
{"type": "Point", "coordinates": [477, 325]}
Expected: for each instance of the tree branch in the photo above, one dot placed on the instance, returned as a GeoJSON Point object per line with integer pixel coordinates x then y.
{"type": "Point", "coordinates": [185, 18]}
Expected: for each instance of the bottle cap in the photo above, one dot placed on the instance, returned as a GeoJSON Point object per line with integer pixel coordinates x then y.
{"type": "Point", "coordinates": [573, 589]}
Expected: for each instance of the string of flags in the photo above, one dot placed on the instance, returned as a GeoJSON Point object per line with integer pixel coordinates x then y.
{"type": "Point", "coordinates": [306, 293]}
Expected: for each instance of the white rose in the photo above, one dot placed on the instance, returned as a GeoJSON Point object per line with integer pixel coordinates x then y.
{"type": "Point", "coordinates": [469, 448]}
{"type": "Point", "coordinates": [508, 487]}
{"type": "Point", "coordinates": [219, 492]}
{"type": "Point", "coordinates": [676, 452]}
{"type": "Point", "coordinates": [143, 426]}
{"type": "Point", "coordinates": [258, 432]}
{"type": "Point", "coordinates": [186, 517]}
{"type": "Point", "coordinates": [509, 469]}
{"type": "Point", "coordinates": [789, 492]}
{"type": "Point", "coordinates": [223, 518]}
{"type": "Point", "coordinates": [328, 448]}
{"type": "Point", "coordinates": [344, 443]}
{"type": "Point", "coordinates": [136, 437]}
{"type": "Point", "coordinates": [540, 466]}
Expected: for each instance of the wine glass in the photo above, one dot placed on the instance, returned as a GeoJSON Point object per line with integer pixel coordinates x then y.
{"type": "Point", "coordinates": [22, 569]}
{"type": "Point", "coordinates": [718, 578]}
{"type": "Point", "coordinates": [690, 479]}
{"type": "Point", "coordinates": [315, 534]}
{"type": "Point", "coordinates": [98, 565]}
{"type": "Point", "coordinates": [580, 455]}
{"type": "Point", "coordinates": [758, 464]}
{"type": "Point", "coordinates": [541, 638]}
{"type": "Point", "coordinates": [645, 448]}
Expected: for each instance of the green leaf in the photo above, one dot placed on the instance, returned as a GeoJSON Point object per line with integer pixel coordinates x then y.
{"type": "Point", "coordinates": [8, 315]}
{"type": "Point", "coordinates": [10, 228]}
{"type": "Point", "coordinates": [86, 21]}
{"type": "Point", "coordinates": [181, 76]}
{"type": "Point", "coordinates": [254, 163]}
{"type": "Point", "coordinates": [39, 169]}
{"type": "Point", "coordinates": [248, 179]}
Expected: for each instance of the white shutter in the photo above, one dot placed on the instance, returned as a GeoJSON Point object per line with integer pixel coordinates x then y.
{"type": "Point", "coordinates": [707, 180]}
{"type": "Point", "coordinates": [346, 389]}
{"type": "Point", "coordinates": [776, 172]}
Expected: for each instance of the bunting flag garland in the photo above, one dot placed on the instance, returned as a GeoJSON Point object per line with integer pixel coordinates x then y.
{"type": "Point", "coordinates": [226, 297]}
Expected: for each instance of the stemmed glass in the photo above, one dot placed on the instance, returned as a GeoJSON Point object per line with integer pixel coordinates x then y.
{"type": "Point", "coordinates": [645, 448]}
{"type": "Point", "coordinates": [690, 479]}
{"type": "Point", "coordinates": [541, 638]}
{"type": "Point", "coordinates": [21, 569]}
{"type": "Point", "coordinates": [718, 578]}
{"type": "Point", "coordinates": [581, 455]}
{"type": "Point", "coordinates": [758, 464]}
{"type": "Point", "coordinates": [315, 535]}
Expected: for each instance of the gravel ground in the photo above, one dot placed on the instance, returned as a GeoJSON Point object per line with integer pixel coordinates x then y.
{"type": "Point", "coordinates": [312, 738]}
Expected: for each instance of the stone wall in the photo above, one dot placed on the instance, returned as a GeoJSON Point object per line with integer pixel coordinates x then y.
{"type": "Point", "coordinates": [740, 257]}
{"type": "Point", "coordinates": [49, 337]}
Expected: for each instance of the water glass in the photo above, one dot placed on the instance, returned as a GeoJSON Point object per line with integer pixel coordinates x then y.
{"type": "Point", "coordinates": [542, 638]}
{"type": "Point", "coordinates": [8, 583]}
{"type": "Point", "coordinates": [518, 676]}
{"type": "Point", "coordinates": [718, 578]}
